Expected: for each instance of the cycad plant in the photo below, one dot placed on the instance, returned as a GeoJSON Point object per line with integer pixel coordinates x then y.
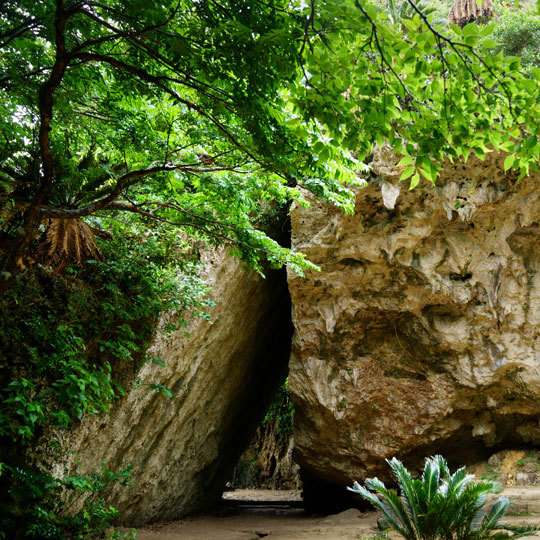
{"type": "Point", "coordinates": [440, 505]}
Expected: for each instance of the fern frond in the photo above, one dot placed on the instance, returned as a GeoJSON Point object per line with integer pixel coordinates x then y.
{"type": "Point", "coordinates": [65, 241]}
{"type": "Point", "coordinates": [430, 478]}
{"type": "Point", "coordinates": [391, 518]}
{"type": "Point", "coordinates": [476, 522]}
{"type": "Point", "coordinates": [458, 482]}
{"type": "Point", "coordinates": [412, 493]}
{"type": "Point", "coordinates": [390, 505]}
{"type": "Point", "coordinates": [443, 466]}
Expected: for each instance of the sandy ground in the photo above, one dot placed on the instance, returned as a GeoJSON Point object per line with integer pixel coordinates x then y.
{"type": "Point", "coordinates": [252, 526]}
{"type": "Point", "coordinates": [294, 524]}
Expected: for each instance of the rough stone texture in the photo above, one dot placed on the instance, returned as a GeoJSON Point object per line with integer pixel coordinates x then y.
{"type": "Point", "coordinates": [223, 377]}
{"type": "Point", "coordinates": [420, 333]}
{"type": "Point", "coordinates": [510, 468]}
{"type": "Point", "coordinates": [267, 462]}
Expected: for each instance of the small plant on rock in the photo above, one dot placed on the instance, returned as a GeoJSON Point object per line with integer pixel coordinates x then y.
{"type": "Point", "coordinates": [440, 505]}
{"type": "Point", "coordinates": [491, 474]}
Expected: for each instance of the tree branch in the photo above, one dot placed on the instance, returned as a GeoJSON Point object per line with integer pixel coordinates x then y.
{"type": "Point", "coordinates": [18, 31]}
{"type": "Point", "coordinates": [32, 217]}
{"type": "Point", "coordinates": [137, 210]}
{"type": "Point", "coordinates": [118, 33]}
{"type": "Point", "coordinates": [158, 81]}
{"type": "Point", "coordinates": [67, 213]}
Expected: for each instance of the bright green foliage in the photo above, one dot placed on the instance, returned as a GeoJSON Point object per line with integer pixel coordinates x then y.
{"type": "Point", "coordinates": [518, 32]}
{"type": "Point", "coordinates": [172, 111]}
{"type": "Point", "coordinates": [432, 94]}
{"type": "Point", "coordinates": [281, 411]}
{"type": "Point", "coordinates": [440, 505]}
{"type": "Point", "coordinates": [202, 114]}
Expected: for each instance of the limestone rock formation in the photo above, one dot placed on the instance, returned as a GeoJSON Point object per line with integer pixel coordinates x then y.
{"type": "Point", "coordinates": [420, 333]}
{"type": "Point", "coordinates": [268, 462]}
{"type": "Point", "coordinates": [223, 376]}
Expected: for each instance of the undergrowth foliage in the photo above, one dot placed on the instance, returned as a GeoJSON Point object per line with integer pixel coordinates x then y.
{"type": "Point", "coordinates": [71, 344]}
{"type": "Point", "coordinates": [281, 411]}
{"type": "Point", "coordinates": [41, 498]}
{"type": "Point", "coordinates": [518, 34]}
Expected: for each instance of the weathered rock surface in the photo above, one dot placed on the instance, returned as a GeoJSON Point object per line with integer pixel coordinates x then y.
{"type": "Point", "coordinates": [223, 376]}
{"type": "Point", "coordinates": [267, 462]}
{"type": "Point", "coordinates": [420, 333]}
{"type": "Point", "coordinates": [510, 468]}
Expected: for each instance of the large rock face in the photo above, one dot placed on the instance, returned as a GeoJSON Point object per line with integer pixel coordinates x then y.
{"type": "Point", "coordinates": [420, 333]}
{"type": "Point", "coordinates": [223, 377]}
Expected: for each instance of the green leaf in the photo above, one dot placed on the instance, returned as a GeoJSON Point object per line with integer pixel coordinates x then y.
{"type": "Point", "coordinates": [430, 477]}
{"type": "Point", "coordinates": [489, 43]}
{"type": "Point", "coordinates": [407, 173]}
{"type": "Point", "coordinates": [470, 29]}
{"type": "Point", "coordinates": [427, 173]}
{"type": "Point", "coordinates": [508, 162]}
{"type": "Point", "coordinates": [406, 160]}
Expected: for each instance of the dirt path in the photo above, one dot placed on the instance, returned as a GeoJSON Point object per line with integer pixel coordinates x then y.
{"type": "Point", "coordinates": [252, 526]}
{"type": "Point", "coordinates": [294, 524]}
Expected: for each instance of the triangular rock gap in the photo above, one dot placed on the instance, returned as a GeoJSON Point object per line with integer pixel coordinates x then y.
{"type": "Point", "coordinates": [223, 376]}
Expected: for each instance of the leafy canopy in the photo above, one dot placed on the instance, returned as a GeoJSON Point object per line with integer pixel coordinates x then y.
{"type": "Point", "coordinates": [432, 93]}
{"type": "Point", "coordinates": [207, 115]}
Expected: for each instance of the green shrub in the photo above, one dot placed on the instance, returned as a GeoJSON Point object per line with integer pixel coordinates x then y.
{"type": "Point", "coordinates": [440, 505]}
{"type": "Point", "coordinates": [518, 32]}
{"type": "Point", "coordinates": [37, 500]}
{"type": "Point", "coordinates": [69, 345]}
{"type": "Point", "coordinates": [72, 343]}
